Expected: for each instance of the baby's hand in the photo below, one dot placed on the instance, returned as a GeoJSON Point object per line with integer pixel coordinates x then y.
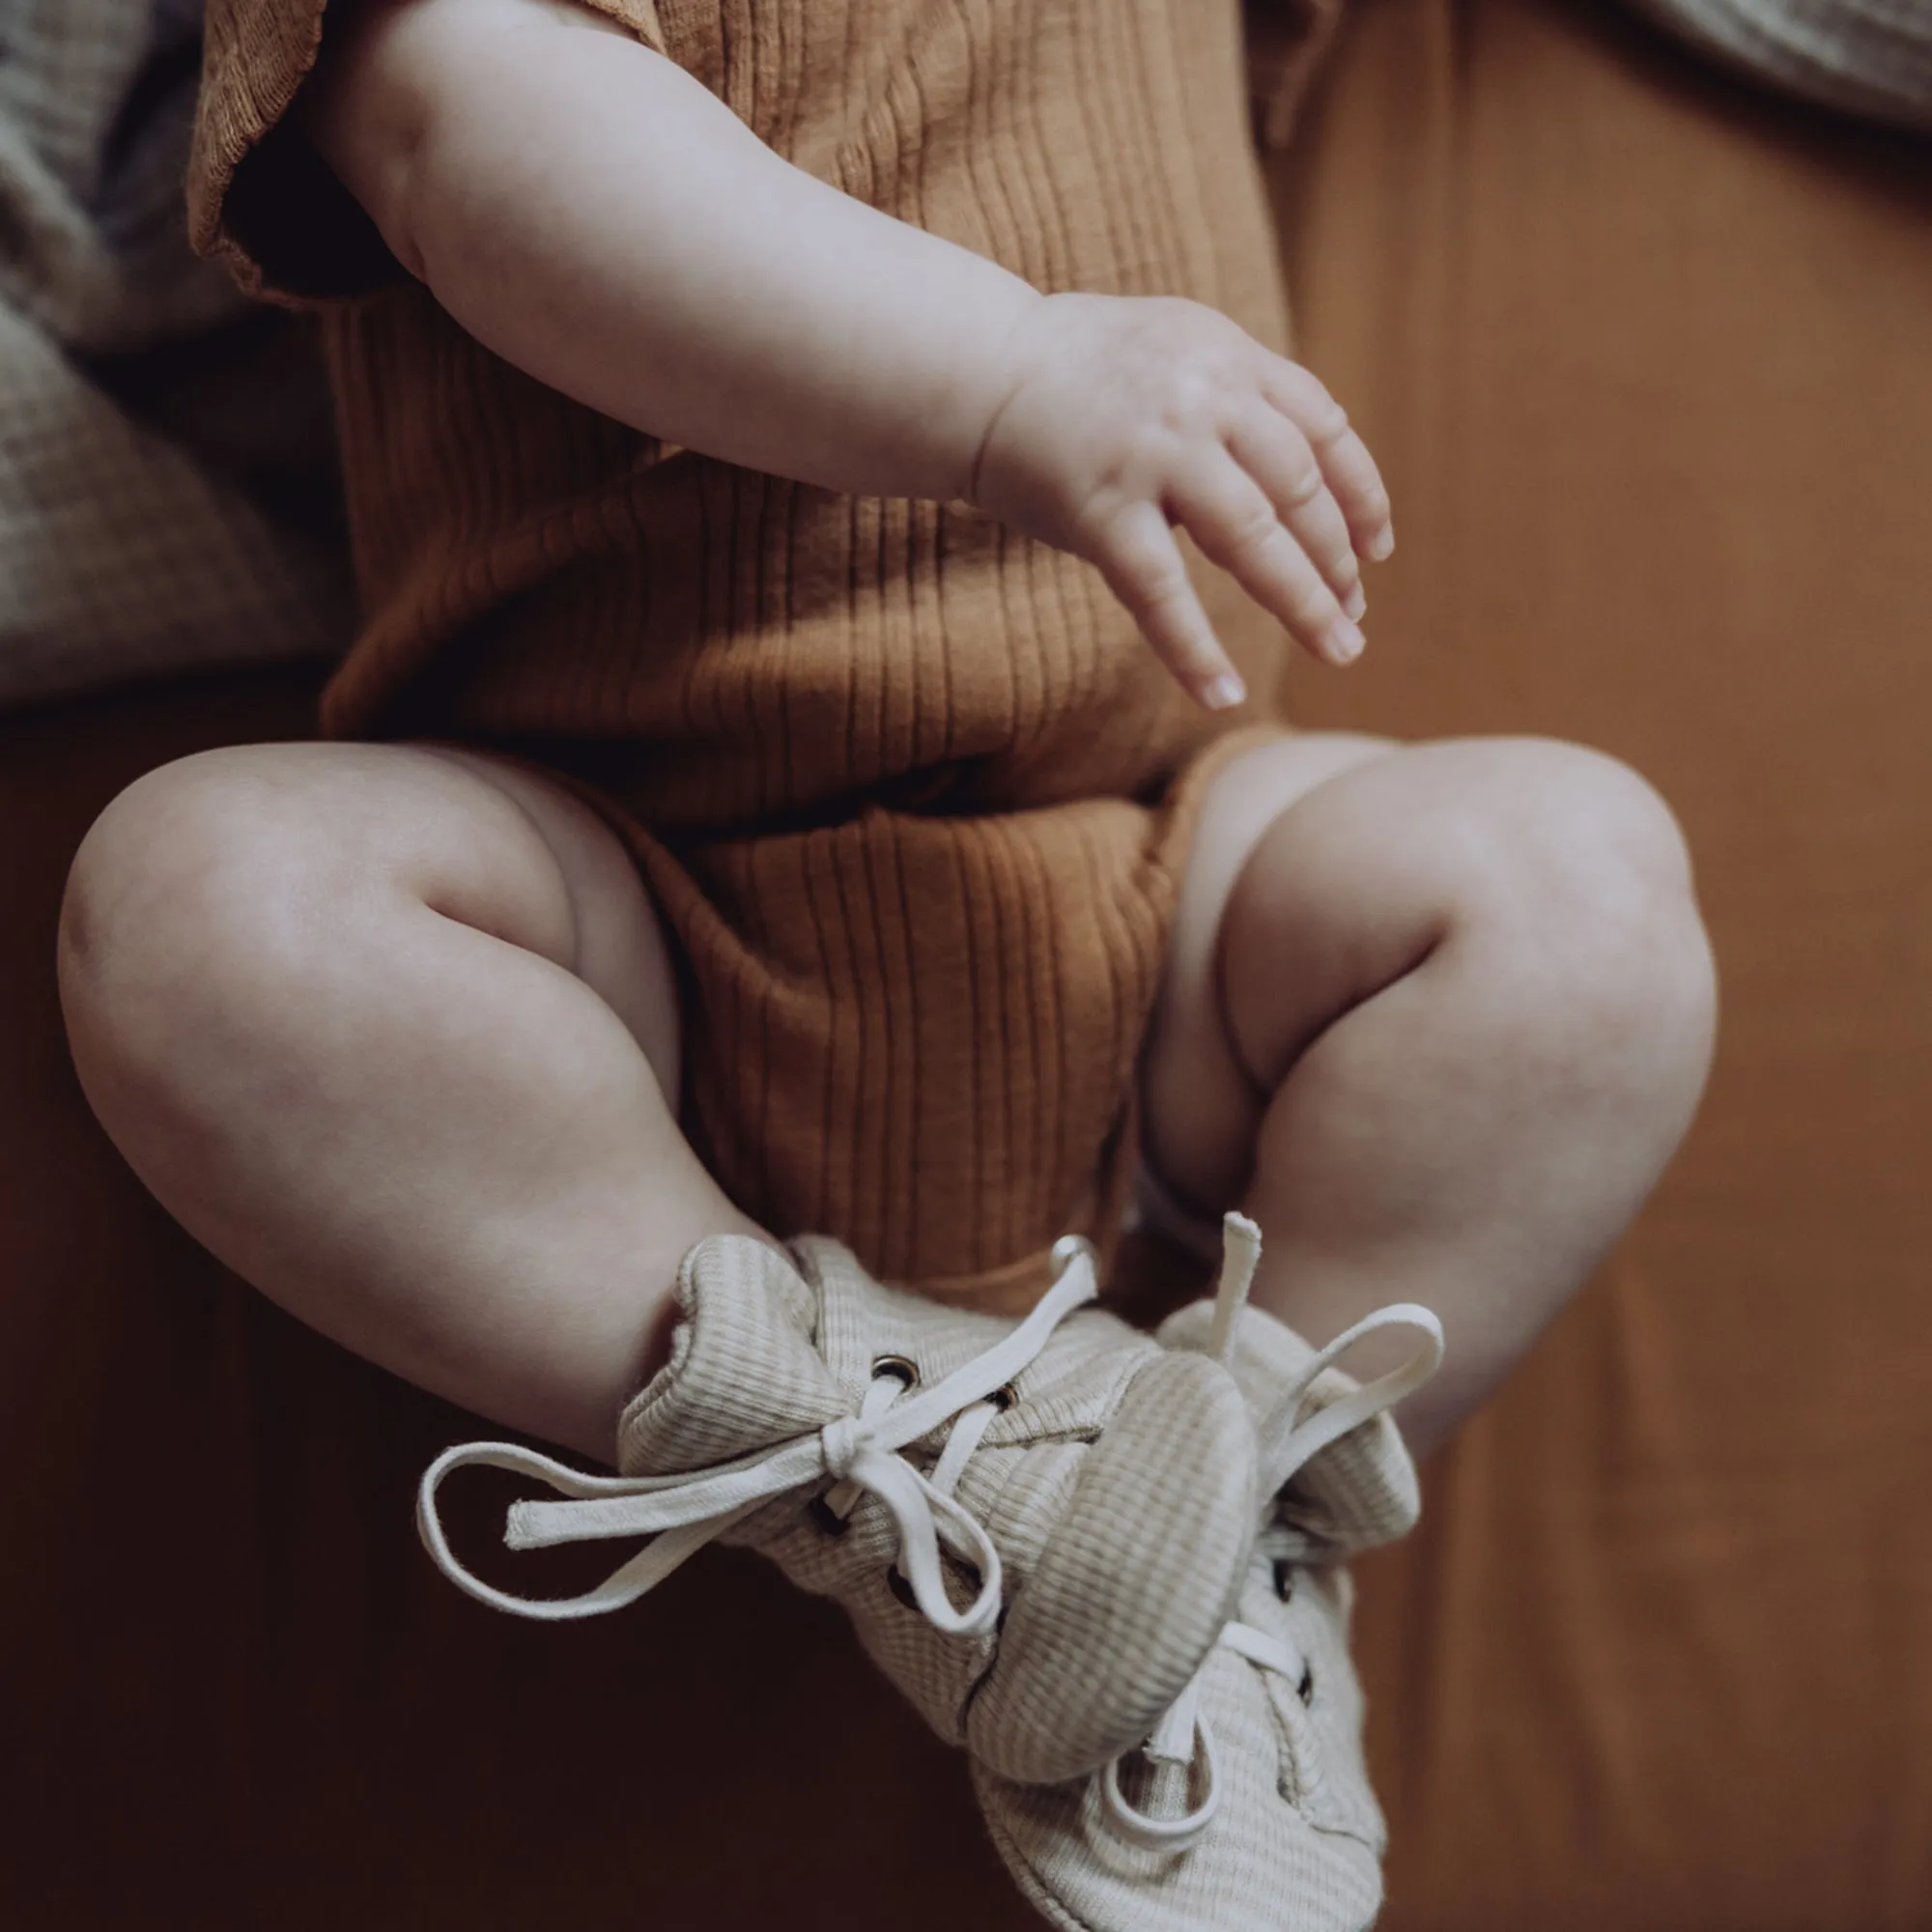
{"type": "Point", "coordinates": [1126, 417]}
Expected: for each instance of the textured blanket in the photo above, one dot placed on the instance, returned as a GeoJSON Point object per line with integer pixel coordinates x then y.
{"type": "Point", "coordinates": [1867, 57]}
{"type": "Point", "coordinates": [164, 501]}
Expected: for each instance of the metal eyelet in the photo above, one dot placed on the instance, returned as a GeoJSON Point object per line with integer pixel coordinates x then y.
{"type": "Point", "coordinates": [1283, 1578]}
{"type": "Point", "coordinates": [901, 1371]}
{"type": "Point", "coordinates": [828, 1519]}
{"type": "Point", "coordinates": [1003, 1397]}
{"type": "Point", "coordinates": [1305, 1689]}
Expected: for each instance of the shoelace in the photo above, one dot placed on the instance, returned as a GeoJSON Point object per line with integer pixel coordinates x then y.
{"type": "Point", "coordinates": [861, 1452]}
{"type": "Point", "coordinates": [1288, 1445]}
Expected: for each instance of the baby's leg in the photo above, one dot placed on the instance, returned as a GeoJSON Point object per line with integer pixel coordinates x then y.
{"type": "Point", "coordinates": [1436, 1017]}
{"type": "Point", "coordinates": [391, 1030]}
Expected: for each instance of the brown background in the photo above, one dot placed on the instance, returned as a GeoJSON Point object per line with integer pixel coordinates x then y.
{"type": "Point", "coordinates": [1650, 364]}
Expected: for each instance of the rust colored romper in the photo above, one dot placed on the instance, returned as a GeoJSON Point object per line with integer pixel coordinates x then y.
{"type": "Point", "coordinates": [912, 795]}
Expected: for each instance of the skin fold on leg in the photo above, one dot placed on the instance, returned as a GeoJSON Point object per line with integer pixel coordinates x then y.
{"type": "Point", "coordinates": [1436, 1017]}
{"type": "Point", "coordinates": [393, 1031]}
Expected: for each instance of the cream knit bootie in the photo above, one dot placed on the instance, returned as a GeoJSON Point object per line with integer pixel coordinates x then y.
{"type": "Point", "coordinates": [1247, 1809]}
{"type": "Point", "coordinates": [1039, 1528]}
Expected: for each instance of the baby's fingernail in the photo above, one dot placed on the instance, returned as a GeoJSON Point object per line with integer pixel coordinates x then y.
{"type": "Point", "coordinates": [1381, 546]}
{"type": "Point", "coordinates": [1356, 602]}
{"type": "Point", "coordinates": [1224, 694]}
{"type": "Point", "coordinates": [1345, 641]}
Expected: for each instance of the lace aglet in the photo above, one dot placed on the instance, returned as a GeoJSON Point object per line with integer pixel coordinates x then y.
{"type": "Point", "coordinates": [519, 1533]}
{"type": "Point", "coordinates": [1172, 1741]}
{"type": "Point", "coordinates": [1241, 1256]}
{"type": "Point", "coordinates": [540, 1525]}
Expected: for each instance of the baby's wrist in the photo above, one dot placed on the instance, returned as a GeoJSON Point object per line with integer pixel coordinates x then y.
{"type": "Point", "coordinates": [981, 369]}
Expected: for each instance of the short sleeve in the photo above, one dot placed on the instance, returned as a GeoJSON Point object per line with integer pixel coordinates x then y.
{"type": "Point", "coordinates": [260, 199]}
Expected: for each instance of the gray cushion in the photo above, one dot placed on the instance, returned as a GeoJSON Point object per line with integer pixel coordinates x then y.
{"type": "Point", "coordinates": [1868, 57]}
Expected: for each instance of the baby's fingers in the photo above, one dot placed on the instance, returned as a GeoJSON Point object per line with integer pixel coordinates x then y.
{"type": "Point", "coordinates": [1231, 518]}
{"type": "Point", "coordinates": [1348, 468]}
{"type": "Point", "coordinates": [1276, 454]}
{"type": "Point", "coordinates": [1143, 566]}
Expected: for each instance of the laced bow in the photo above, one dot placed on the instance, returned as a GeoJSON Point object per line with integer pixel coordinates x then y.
{"type": "Point", "coordinates": [861, 1452]}
{"type": "Point", "coordinates": [1288, 1443]}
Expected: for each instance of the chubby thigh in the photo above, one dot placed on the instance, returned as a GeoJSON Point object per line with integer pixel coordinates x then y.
{"type": "Point", "coordinates": [401, 1034]}
{"type": "Point", "coordinates": [392, 1031]}
{"type": "Point", "coordinates": [1201, 1103]}
{"type": "Point", "coordinates": [1435, 1016]}
{"type": "Point", "coordinates": [1328, 867]}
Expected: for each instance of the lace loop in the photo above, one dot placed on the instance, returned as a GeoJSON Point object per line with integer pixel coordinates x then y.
{"type": "Point", "coordinates": [1288, 1445]}
{"type": "Point", "coordinates": [1165, 1835]}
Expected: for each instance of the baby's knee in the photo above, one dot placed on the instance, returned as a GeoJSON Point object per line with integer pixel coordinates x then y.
{"type": "Point", "coordinates": [189, 900]}
{"type": "Point", "coordinates": [1588, 882]}
{"type": "Point", "coordinates": [1583, 827]}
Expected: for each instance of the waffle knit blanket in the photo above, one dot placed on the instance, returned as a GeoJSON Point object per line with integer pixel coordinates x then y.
{"type": "Point", "coordinates": [1866, 57]}
{"type": "Point", "coordinates": [131, 544]}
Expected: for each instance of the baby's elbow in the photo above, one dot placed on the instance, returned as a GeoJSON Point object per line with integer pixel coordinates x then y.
{"type": "Point", "coordinates": [411, 101]}
{"type": "Point", "coordinates": [389, 74]}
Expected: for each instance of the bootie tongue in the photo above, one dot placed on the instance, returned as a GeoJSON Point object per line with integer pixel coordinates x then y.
{"type": "Point", "coordinates": [1361, 1490]}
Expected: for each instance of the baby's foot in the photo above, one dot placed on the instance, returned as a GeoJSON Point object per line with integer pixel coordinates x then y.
{"type": "Point", "coordinates": [1248, 1809]}
{"type": "Point", "coordinates": [1039, 1528]}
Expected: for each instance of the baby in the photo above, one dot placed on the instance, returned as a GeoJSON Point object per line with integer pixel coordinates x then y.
{"type": "Point", "coordinates": [795, 786]}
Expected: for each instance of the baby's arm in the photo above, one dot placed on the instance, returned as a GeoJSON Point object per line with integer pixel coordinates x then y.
{"type": "Point", "coordinates": [595, 215]}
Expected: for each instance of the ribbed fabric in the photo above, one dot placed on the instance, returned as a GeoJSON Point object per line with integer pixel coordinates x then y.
{"type": "Point", "coordinates": [1359, 1492]}
{"type": "Point", "coordinates": [1117, 1485]}
{"type": "Point", "coordinates": [912, 794]}
{"type": "Point", "coordinates": [1297, 1843]}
